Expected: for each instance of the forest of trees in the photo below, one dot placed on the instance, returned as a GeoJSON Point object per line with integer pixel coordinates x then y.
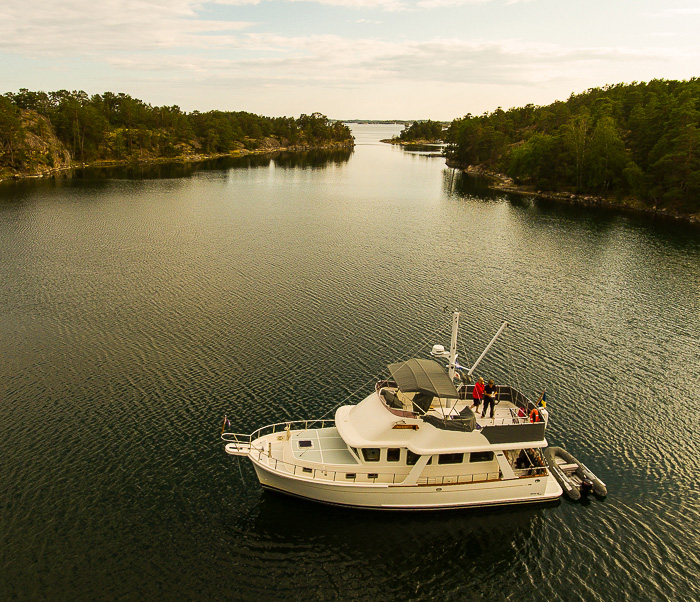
{"type": "Point", "coordinates": [422, 130]}
{"type": "Point", "coordinates": [116, 126]}
{"type": "Point", "coordinates": [639, 140]}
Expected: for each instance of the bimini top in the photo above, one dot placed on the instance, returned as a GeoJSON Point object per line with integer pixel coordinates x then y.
{"type": "Point", "coordinates": [424, 376]}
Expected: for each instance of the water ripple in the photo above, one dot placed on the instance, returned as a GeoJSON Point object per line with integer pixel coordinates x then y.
{"type": "Point", "coordinates": [136, 313]}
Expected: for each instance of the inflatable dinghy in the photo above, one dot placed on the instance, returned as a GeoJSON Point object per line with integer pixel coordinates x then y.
{"type": "Point", "coordinates": [573, 476]}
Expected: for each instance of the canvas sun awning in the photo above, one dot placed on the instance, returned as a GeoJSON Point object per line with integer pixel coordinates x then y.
{"type": "Point", "coordinates": [424, 376]}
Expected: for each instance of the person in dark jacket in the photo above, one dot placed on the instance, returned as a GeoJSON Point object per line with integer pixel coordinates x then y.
{"type": "Point", "coordinates": [489, 398]}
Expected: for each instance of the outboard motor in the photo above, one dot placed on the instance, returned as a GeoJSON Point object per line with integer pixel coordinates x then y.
{"type": "Point", "coordinates": [586, 487]}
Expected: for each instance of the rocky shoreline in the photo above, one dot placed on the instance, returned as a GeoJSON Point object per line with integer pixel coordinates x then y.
{"type": "Point", "coordinates": [504, 183]}
{"type": "Point", "coordinates": [400, 142]}
{"type": "Point", "coordinates": [269, 146]}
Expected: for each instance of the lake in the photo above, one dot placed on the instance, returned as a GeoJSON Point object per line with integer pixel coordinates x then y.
{"type": "Point", "coordinates": [140, 305]}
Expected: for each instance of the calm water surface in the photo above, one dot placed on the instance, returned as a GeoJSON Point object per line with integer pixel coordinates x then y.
{"type": "Point", "coordinates": [138, 307]}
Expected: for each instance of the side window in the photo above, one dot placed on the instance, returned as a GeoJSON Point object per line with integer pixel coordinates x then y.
{"type": "Point", "coordinates": [412, 458]}
{"type": "Point", "coordinates": [393, 454]}
{"type": "Point", "coordinates": [481, 456]}
{"type": "Point", "coordinates": [371, 454]}
{"type": "Point", "coordinates": [450, 458]}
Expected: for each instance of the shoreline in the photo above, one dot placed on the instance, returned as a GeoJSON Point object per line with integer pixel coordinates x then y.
{"type": "Point", "coordinates": [184, 159]}
{"type": "Point", "coordinates": [400, 142]}
{"type": "Point", "coordinates": [504, 183]}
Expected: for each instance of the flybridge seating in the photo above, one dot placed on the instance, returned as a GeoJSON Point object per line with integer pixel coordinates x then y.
{"type": "Point", "coordinates": [398, 402]}
{"type": "Point", "coordinates": [512, 406]}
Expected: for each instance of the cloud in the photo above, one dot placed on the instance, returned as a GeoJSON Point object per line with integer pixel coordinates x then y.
{"type": "Point", "coordinates": [431, 4]}
{"type": "Point", "coordinates": [79, 26]}
{"type": "Point", "coordinates": [387, 5]}
{"type": "Point", "coordinates": [168, 45]}
{"type": "Point", "coordinates": [679, 12]}
{"type": "Point", "coordinates": [86, 27]}
{"type": "Point", "coordinates": [334, 61]}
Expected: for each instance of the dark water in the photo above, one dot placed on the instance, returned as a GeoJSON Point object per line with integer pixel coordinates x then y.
{"type": "Point", "coordinates": [139, 307]}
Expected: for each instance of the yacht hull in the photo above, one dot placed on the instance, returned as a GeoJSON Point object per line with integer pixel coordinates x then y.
{"type": "Point", "coordinates": [528, 490]}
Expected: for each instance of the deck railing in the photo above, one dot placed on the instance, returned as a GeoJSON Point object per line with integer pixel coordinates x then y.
{"type": "Point", "coordinates": [277, 428]}
{"type": "Point", "coordinates": [265, 454]}
{"type": "Point", "coordinates": [352, 476]}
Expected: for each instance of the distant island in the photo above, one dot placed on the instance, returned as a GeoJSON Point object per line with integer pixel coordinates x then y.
{"type": "Point", "coordinates": [419, 132]}
{"type": "Point", "coordinates": [626, 145]}
{"type": "Point", "coordinates": [43, 133]}
{"type": "Point", "coordinates": [378, 121]}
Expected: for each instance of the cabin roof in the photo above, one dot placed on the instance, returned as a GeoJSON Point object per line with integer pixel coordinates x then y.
{"type": "Point", "coordinates": [424, 376]}
{"type": "Point", "coordinates": [371, 424]}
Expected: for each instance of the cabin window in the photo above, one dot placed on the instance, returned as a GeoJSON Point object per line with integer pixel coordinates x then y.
{"type": "Point", "coordinates": [412, 458]}
{"type": "Point", "coordinates": [350, 475]}
{"type": "Point", "coordinates": [393, 454]}
{"type": "Point", "coordinates": [373, 475]}
{"type": "Point", "coordinates": [481, 456]}
{"type": "Point", "coordinates": [306, 469]}
{"type": "Point", "coordinates": [450, 458]}
{"type": "Point", "coordinates": [371, 454]}
{"type": "Point", "coordinates": [306, 443]}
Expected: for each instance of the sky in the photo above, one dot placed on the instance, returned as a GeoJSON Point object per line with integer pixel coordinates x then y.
{"type": "Point", "coordinates": [347, 59]}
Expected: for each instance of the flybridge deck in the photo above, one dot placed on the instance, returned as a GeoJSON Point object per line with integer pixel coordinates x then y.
{"type": "Point", "coordinates": [512, 406]}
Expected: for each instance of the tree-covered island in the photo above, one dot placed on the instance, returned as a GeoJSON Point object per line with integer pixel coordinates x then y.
{"type": "Point", "coordinates": [41, 133]}
{"type": "Point", "coordinates": [419, 132]}
{"type": "Point", "coordinates": [634, 145]}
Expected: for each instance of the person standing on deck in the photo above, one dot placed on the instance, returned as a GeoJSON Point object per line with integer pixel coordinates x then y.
{"type": "Point", "coordinates": [489, 398]}
{"type": "Point", "coordinates": [478, 394]}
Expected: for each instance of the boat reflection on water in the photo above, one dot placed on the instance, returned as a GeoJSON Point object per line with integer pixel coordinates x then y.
{"type": "Point", "coordinates": [278, 516]}
{"type": "Point", "coordinates": [464, 552]}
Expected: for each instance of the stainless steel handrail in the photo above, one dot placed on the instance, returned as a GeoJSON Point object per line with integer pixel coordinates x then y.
{"type": "Point", "coordinates": [274, 428]}
{"type": "Point", "coordinates": [341, 476]}
{"type": "Point", "coordinates": [319, 474]}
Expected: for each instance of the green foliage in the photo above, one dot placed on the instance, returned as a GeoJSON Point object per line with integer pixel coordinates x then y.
{"type": "Point", "coordinates": [117, 126]}
{"type": "Point", "coordinates": [422, 130]}
{"type": "Point", "coordinates": [639, 139]}
{"type": "Point", "coordinates": [533, 160]}
{"type": "Point", "coordinates": [11, 133]}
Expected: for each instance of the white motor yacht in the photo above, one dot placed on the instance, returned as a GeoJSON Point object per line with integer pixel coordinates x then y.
{"type": "Point", "coordinates": [411, 444]}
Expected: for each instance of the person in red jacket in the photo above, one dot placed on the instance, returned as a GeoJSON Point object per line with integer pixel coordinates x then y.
{"type": "Point", "coordinates": [478, 394]}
